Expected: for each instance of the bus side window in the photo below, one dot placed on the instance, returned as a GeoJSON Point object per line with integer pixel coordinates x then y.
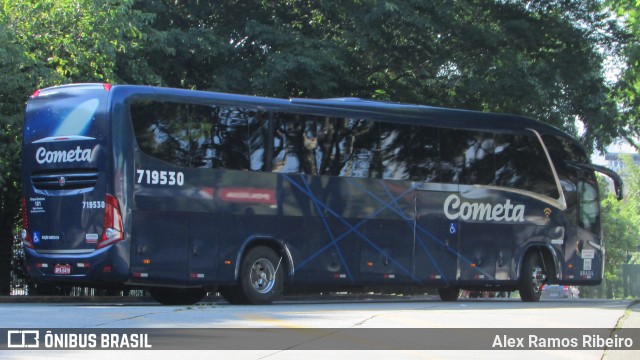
{"type": "Point", "coordinates": [287, 143]}
{"type": "Point", "coordinates": [360, 145]}
{"type": "Point", "coordinates": [259, 147]}
{"type": "Point", "coordinates": [190, 135]}
{"type": "Point", "coordinates": [162, 130]}
{"type": "Point", "coordinates": [522, 163]}
{"type": "Point", "coordinates": [413, 153]}
{"type": "Point", "coordinates": [219, 137]}
{"type": "Point", "coordinates": [588, 206]}
{"type": "Point", "coordinates": [479, 164]}
{"type": "Point", "coordinates": [394, 151]}
{"type": "Point", "coordinates": [330, 147]}
{"type": "Point", "coordinates": [453, 147]}
{"type": "Point", "coordinates": [422, 153]}
{"type": "Point", "coordinates": [315, 145]}
{"type": "Point", "coordinates": [309, 149]}
{"type": "Point", "coordinates": [505, 167]}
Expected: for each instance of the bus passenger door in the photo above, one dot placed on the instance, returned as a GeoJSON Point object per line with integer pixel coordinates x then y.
{"type": "Point", "coordinates": [436, 237]}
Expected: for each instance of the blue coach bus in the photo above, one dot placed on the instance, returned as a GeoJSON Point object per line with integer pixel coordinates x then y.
{"type": "Point", "coordinates": [183, 192]}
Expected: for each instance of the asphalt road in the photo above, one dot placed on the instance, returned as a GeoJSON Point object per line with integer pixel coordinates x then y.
{"type": "Point", "coordinates": [463, 322]}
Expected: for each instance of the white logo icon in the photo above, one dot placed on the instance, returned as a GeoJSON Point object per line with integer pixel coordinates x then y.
{"type": "Point", "coordinates": [23, 339]}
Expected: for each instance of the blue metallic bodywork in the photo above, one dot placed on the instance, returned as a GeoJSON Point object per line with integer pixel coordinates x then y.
{"type": "Point", "coordinates": [330, 231]}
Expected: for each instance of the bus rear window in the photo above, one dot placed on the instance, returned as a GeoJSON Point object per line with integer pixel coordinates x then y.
{"type": "Point", "coordinates": [66, 114]}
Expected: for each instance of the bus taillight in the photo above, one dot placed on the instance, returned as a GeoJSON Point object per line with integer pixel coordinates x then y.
{"type": "Point", "coordinates": [26, 238]}
{"type": "Point", "coordinates": [112, 232]}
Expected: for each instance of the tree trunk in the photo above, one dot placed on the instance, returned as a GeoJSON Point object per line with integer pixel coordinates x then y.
{"type": "Point", "coordinates": [9, 210]}
{"type": "Point", "coordinates": [6, 252]}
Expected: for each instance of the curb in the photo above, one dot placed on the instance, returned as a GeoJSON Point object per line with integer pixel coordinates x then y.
{"type": "Point", "coordinates": [21, 299]}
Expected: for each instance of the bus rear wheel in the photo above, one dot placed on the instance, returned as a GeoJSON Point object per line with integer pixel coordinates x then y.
{"type": "Point", "coordinates": [449, 293]}
{"type": "Point", "coordinates": [261, 276]}
{"type": "Point", "coordinates": [532, 277]}
{"type": "Point", "coordinates": [174, 296]}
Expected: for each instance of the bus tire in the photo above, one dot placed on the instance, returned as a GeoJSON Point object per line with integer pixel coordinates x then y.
{"type": "Point", "coordinates": [261, 276]}
{"type": "Point", "coordinates": [532, 278]}
{"type": "Point", "coordinates": [232, 294]}
{"type": "Point", "coordinates": [449, 293]}
{"type": "Point", "coordinates": [176, 296]}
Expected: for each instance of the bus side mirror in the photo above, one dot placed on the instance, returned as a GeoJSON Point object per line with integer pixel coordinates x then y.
{"type": "Point", "coordinates": [618, 184]}
{"type": "Point", "coordinates": [619, 190]}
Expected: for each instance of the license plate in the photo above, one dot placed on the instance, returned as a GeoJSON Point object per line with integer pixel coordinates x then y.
{"type": "Point", "coordinates": [62, 269]}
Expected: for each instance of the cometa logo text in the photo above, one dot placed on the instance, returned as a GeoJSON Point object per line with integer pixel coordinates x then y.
{"type": "Point", "coordinates": [455, 208]}
{"type": "Point", "coordinates": [77, 155]}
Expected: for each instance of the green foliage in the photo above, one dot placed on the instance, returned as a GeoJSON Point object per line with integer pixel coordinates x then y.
{"type": "Point", "coordinates": [73, 40]}
{"type": "Point", "coordinates": [542, 59]}
{"type": "Point", "coordinates": [50, 42]}
{"type": "Point", "coordinates": [621, 224]}
{"type": "Point", "coordinates": [627, 88]}
{"type": "Point", "coordinates": [12, 86]}
{"type": "Point", "coordinates": [44, 43]}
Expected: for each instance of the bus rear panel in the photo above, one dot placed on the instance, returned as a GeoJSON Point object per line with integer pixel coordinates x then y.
{"type": "Point", "coordinates": [70, 217]}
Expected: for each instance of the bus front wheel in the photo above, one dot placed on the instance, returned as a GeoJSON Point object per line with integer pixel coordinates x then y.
{"type": "Point", "coordinates": [261, 276]}
{"type": "Point", "coordinates": [232, 294]}
{"type": "Point", "coordinates": [532, 278]}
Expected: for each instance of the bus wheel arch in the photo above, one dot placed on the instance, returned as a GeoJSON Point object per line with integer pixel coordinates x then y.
{"type": "Point", "coordinates": [264, 265]}
{"type": "Point", "coordinates": [537, 267]}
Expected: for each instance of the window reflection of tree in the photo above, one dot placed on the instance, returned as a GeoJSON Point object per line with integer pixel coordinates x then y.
{"type": "Point", "coordinates": [223, 138]}
{"type": "Point", "coordinates": [589, 207]}
{"type": "Point", "coordinates": [287, 143]}
{"type": "Point", "coordinates": [240, 138]}
{"type": "Point", "coordinates": [360, 144]}
{"type": "Point", "coordinates": [396, 155]}
{"type": "Point", "coordinates": [193, 135]}
{"type": "Point", "coordinates": [329, 132]}
{"type": "Point", "coordinates": [258, 127]}
{"type": "Point", "coordinates": [507, 172]}
{"type": "Point", "coordinates": [453, 145]}
{"type": "Point", "coordinates": [161, 131]}
{"type": "Point", "coordinates": [479, 159]}
{"type": "Point", "coordinates": [324, 146]}
{"type": "Point", "coordinates": [521, 163]}
{"type": "Point", "coordinates": [423, 153]}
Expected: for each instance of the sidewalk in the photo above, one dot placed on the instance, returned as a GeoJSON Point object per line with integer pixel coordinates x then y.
{"type": "Point", "coordinates": [629, 321]}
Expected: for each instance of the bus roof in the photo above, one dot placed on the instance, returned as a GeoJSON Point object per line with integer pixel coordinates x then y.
{"type": "Point", "coordinates": [438, 116]}
{"type": "Point", "coordinates": [352, 107]}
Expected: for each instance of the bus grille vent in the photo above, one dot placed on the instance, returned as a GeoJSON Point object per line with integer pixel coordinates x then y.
{"type": "Point", "coordinates": [83, 180]}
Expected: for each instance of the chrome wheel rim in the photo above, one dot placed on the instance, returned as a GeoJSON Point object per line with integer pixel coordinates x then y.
{"type": "Point", "coordinates": [537, 278]}
{"type": "Point", "coordinates": [262, 276]}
